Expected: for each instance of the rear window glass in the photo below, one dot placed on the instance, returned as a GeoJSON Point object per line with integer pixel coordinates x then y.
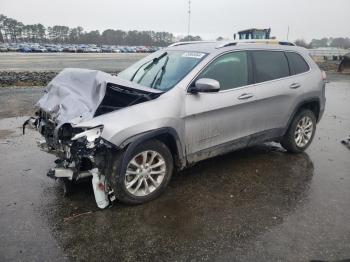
{"type": "Point", "coordinates": [297, 64]}
{"type": "Point", "coordinates": [270, 65]}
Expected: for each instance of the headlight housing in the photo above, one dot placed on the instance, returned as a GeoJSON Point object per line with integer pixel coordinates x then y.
{"type": "Point", "coordinates": [91, 134]}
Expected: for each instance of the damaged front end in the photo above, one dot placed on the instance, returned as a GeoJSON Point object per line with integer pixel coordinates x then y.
{"type": "Point", "coordinates": [80, 152]}
{"type": "Point", "coordinates": [73, 97]}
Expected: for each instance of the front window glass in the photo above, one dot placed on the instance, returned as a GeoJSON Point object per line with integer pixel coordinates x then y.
{"type": "Point", "coordinates": [163, 69]}
{"type": "Point", "coordinates": [231, 70]}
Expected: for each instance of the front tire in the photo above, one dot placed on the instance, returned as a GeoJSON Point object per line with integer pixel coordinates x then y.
{"type": "Point", "coordinates": [148, 171]}
{"type": "Point", "coordinates": [300, 132]}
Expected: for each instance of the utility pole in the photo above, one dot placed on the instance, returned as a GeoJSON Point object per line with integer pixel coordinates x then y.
{"type": "Point", "coordinates": [189, 20]}
{"type": "Point", "coordinates": [288, 33]}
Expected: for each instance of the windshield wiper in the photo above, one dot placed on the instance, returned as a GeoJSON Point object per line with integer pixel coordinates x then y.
{"type": "Point", "coordinates": [152, 63]}
{"type": "Point", "coordinates": [162, 70]}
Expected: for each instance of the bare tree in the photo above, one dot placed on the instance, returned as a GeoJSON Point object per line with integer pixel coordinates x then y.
{"type": "Point", "coordinates": [340, 42]}
{"type": "Point", "coordinates": [13, 31]}
{"type": "Point", "coordinates": [2, 20]}
{"type": "Point", "coordinates": [191, 38]}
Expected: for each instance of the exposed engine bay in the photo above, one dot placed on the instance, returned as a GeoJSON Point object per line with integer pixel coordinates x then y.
{"type": "Point", "coordinates": [75, 96]}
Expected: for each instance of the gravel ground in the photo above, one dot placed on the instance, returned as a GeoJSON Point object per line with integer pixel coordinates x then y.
{"type": "Point", "coordinates": [28, 78]}
{"type": "Point", "coordinates": [19, 69]}
{"type": "Point", "coordinates": [25, 78]}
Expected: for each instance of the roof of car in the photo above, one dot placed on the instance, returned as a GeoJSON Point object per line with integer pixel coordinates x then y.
{"type": "Point", "coordinates": [216, 46]}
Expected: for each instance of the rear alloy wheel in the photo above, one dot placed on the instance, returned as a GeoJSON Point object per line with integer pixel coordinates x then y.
{"type": "Point", "coordinates": [300, 132]}
{"type": "Point", "coordinates": [303, 131]}
{"type": "Point", "coordinates": [148, 171]}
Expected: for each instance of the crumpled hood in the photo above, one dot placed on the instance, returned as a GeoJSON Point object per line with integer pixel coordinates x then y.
{"type": "Point", "coordinates": [74, 94]}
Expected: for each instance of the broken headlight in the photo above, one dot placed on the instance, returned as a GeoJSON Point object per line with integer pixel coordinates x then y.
{"type": "Point", "coordinates": [90, 135]}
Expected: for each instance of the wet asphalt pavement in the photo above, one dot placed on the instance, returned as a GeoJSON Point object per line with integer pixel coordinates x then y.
{"type": "Point", "coordinates": [257, 204]}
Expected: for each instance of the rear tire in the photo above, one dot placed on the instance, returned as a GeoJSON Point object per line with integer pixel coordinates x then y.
{"type": "Point", "coordinates": [301, 132]}
{"type": "Point", "coordinates": [148, 171]}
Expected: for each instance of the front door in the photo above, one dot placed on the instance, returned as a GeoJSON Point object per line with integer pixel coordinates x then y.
{"type": "Point", "coordinates": [216, 119]}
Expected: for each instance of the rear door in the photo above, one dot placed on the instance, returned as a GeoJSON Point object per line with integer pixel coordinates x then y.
{"type": "Point", "coordinates": [275, 91]}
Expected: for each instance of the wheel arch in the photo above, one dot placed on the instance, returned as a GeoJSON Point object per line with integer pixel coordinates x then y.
{"type": "Point", "coordinates": [166, 135]}
{"type": "Point", "coordinates": [313, 104]}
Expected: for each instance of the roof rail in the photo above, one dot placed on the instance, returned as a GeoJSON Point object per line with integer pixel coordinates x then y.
{"type": "Point", "coordinates": [225, 44]}
{"type": "Point", "coordinates": [255, 41]}
{"type": "Point", "coordinates": [191, 42]}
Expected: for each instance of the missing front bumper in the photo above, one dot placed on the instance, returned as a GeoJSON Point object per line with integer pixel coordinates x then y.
{"type": "Point", "coordinates": [80, 155]}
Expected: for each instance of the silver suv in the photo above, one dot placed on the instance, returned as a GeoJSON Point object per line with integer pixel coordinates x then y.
{"type": "Point", "coordinates": [182, 104]}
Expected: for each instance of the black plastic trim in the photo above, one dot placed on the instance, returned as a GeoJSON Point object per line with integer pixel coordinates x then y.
{"type": "Point", "coordinates": [300, 105]}
{"type": "Point", "coordinates": [134, 141]}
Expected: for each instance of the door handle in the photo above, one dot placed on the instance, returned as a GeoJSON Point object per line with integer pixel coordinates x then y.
{"type": "Point", "coordinates": [294, 85]}
{"type": "Point", "coordinates": [245, 96]}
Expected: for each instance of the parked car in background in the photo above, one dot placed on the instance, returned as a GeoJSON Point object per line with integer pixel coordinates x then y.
{"type": "Point", "coordinates": [81, 48]}
{"type": "Point", "coordinates": [75, 48]}
{"type": "Point", "coordinates": [52, 49]}
{"type": "Point", "coordinates": [25, 49]}
{"type": "Point", "coordinates": [72, 49]}
{"type": "Point", "coordinates": [106, 49]}
{"type": "Point", "coordinates": [38, 49]}
{"type": "Point", "coordinates": [95, 49]}
{"type": "Point", "coordinates": [59, 48]}
{"type": "Point", "coordinates": [3, 48]}
{"type": "Point", "coordinates": [66, 48]}
{"type": "Point", "coordinates": [13, 48]}
{"type": "Point", "coordinates": [123, 49]}
{"type": "Point", "coordinates": [115, 50]}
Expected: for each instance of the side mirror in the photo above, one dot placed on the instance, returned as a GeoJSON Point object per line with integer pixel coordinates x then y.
{"type": "Point", "coordinates": [205, 85]}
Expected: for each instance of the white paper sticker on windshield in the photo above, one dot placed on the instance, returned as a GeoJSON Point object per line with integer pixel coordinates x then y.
{"type": "Point", "coordinates": [193, 55]}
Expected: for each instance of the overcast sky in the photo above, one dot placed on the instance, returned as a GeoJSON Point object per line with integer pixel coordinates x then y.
{"type": "Point", "coordinates": [306, 18]}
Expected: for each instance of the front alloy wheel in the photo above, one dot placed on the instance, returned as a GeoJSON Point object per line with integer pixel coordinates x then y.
{"type": "Point", "coordinates": [145, 173]}
{"type": "Point", "coordinates": [149, 167]}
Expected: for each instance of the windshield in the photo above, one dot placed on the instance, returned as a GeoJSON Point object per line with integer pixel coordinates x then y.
{"type": "Point", "coordinates": [163, 69]}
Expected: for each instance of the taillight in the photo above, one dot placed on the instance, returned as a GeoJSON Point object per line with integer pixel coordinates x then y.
{"type": "Point", "coordinates": [324, 76]}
